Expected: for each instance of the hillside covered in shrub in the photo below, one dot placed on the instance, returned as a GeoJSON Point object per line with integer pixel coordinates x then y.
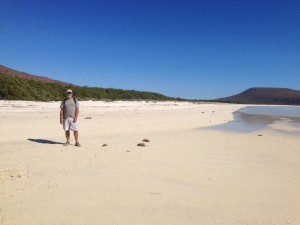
{"type": "Point", "coordinates": [19, 88]}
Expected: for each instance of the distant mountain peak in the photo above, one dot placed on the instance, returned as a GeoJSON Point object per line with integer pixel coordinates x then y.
{"type": "Point", "coordinates": [266, 95]}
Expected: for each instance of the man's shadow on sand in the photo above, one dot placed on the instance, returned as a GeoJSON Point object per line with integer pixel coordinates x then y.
{"type": "Point", "coordinates": [44, 141]}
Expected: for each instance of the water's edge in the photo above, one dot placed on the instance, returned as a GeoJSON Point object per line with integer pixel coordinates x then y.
{"type": "Point", "coordinates": [256, 118]}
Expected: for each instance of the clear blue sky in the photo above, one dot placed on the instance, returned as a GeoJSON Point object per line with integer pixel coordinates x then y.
{"type": "Point", "coordinates": [181, 48]}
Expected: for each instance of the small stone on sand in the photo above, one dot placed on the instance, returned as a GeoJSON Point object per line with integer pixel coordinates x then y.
{"type": "Point", "coordinates": [141, 144]}
{"type": "Point", "coordinates": [104, 145]}
{"type": "Point", "coordinates": [260, 135]}
{"type": "Point", "coordinates": [146, 140]}
{"type": "Point", "coordinates": [88, 118]}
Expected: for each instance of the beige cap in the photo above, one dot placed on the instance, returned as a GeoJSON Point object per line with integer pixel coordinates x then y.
{"type": "Point", "coordinates": [69, 90]}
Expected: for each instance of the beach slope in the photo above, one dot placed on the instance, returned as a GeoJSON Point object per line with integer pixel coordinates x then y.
{"type": "Point", "coordinates": [186, 174]}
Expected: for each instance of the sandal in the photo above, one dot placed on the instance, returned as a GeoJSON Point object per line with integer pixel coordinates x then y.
{"type": "Point", "coordinates": [66, 144]}
{"type": "Point", "coordinates": [77, 144]}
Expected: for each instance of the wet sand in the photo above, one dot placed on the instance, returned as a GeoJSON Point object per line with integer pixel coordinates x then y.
{"type": "Point", "coordinates": [183, 175]}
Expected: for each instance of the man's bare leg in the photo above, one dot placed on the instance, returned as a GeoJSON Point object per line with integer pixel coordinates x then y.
{"type": "Point", "coordinates": [76, 138]}
{"type": "Point", "coordinates": [68, 136]}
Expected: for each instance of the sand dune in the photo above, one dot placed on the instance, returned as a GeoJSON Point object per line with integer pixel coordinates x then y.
{"type": "Point", "coordinates": [184, 175]}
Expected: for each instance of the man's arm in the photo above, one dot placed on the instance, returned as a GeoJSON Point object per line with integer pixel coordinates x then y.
{"type": "Point", "coordinates": [61, 115]}
{"type": "Point", "coordinates": [76, 115]}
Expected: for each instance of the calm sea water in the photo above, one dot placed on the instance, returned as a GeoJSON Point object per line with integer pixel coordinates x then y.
{"type": "Point", "coordinates": [255, 118]}
{"type": "Point", "coordinates": [273, 111]}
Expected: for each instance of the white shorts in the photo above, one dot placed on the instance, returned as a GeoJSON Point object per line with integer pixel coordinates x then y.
{"type": "Point", "coordinates": [69, 125]}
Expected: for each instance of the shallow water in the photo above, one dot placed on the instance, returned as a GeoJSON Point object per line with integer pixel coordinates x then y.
{"type": "Point", "coordinates": [275, 111]}
{"type": "Point", "coordinates": [283, 119]}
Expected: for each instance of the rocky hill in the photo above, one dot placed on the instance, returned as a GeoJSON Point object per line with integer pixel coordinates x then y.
{"type": "Point", "coordinates": [15, 73]}
{"type": "Point", "coordinates": [269, 96]}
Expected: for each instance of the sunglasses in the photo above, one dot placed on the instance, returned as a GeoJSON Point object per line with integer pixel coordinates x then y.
{"type": "Point", "coordinates": [69, 93]}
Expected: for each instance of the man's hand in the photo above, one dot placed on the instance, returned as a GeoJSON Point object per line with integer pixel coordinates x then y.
{"type": "Point", "coordinates": [75, 120]}
{"type": "Point", "coordinates": [61, 115]}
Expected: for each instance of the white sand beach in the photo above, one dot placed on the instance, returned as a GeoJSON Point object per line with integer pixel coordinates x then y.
{"type": "Point", "coordinates": [186, 175]}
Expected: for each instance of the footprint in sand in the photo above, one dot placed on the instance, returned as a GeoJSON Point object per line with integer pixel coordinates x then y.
{"type": "Point", "coordinates": [11, 193]}
{"type": "Point", "coordinates": [9, 174]}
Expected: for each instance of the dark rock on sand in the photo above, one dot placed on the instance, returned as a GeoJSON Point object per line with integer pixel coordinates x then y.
{"type": "Point", "coordinates": [104, 145]}
{"type": "Point", "coordinates": [141, 144]}
{"type": "Point", "coordinates": [88, 118]}
{"type": "Point", "coordinates": [146, 140]}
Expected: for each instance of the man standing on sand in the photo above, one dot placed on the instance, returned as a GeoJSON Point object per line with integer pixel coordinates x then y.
{"type": "Point", "coordinates": [69, 109]}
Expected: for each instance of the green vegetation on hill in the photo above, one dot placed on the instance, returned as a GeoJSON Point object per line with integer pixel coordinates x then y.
{"type": "Point", "coordinates": [16, 88]}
